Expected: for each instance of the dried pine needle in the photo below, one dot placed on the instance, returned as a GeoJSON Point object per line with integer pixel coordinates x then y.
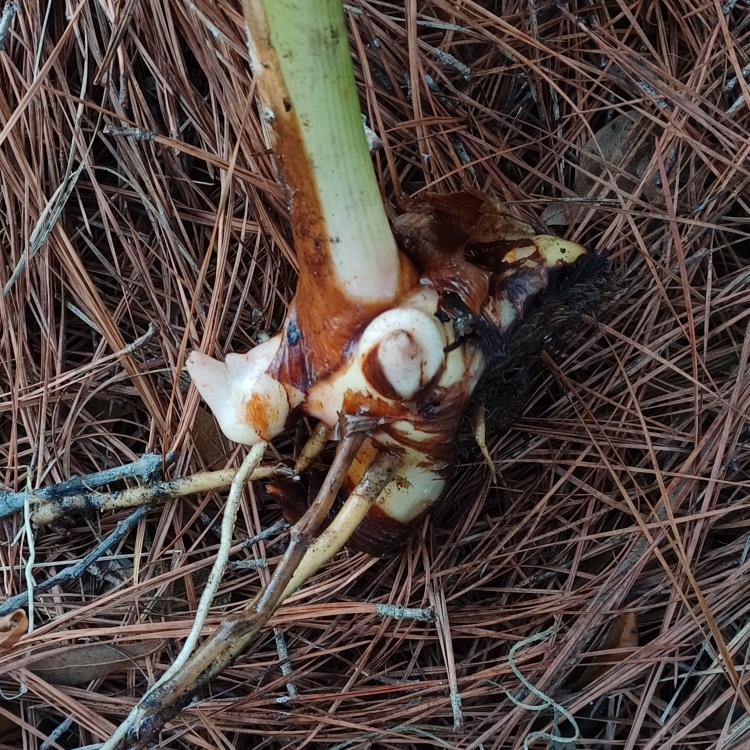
{"type": "Point", "coordinates": [636, 425]}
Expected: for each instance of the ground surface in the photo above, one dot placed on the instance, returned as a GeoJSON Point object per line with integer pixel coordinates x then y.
{"type": "Point", "coordinates": [621, 495]}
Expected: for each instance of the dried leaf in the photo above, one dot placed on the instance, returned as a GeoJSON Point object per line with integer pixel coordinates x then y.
{"type": "Point", "coordinates": [209, 440]}
{"type": "Point", "coordinates": [81, 664]}
{"type": "Point", "coordinates": [620, 145]}
{"type": "Point", "coordinates": [12, 627]}
{"type": "Point", "coordinates": [622, 633]}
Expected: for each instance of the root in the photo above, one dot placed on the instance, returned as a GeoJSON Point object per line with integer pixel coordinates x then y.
{"type": "Point", "coordinates": [175, 690]}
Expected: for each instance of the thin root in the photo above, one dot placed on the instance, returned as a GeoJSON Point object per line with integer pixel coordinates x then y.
{"type": "Point", "coordinates": [313, 447]}
{"type": "Point", "coordinates": [234, 634]}
{"type": "Point", "coordinates": [478, 425]}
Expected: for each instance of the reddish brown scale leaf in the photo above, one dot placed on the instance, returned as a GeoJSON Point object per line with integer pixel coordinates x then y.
{"type": "Point", "coordinates": [466, 216]}
{"type": "Point", "coordinates": [320, 329]}
{"type": "Point", "coordinates": [291, 496]}
{"type": "Point", "coordinates": [379, 534]}
{"type": "Point", "coordinates": [433, 231]}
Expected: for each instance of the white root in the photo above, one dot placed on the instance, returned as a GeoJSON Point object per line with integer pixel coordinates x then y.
{"type": "Point", "coordinates": [312, 448]}
{"type": "Point", "coordinates": [138, 713]}
{"type": "Point", "coordinates": [356, 507]}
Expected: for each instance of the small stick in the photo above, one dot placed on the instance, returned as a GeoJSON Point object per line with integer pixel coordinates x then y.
{"type": "Point", "coordinates": [135, 496]}
{"type": "Point", "coordinates": [74, 571]}
{"type": "Point", "coordinates": [248, 564]}
{"type": "Point", "coordinates": [56, 733]}
{"type": "Point", "coordinates": [397, 612]}
{"type": "Point", "coordinates": [30, 558]}
{"type": "Point", "coordinates": [286, 665]}
{"type": "Point", "coordinates": [9, 10]}
{"type": "Point", "coordinates": [147, 469]}
{"type": "Point", "coordinates": [128, 131]}
{"type": "Point", "coordinates": [277, 528]}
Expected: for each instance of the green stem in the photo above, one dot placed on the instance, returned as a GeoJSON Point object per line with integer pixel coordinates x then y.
{"type": "Point", "coordinates": [301, 60]}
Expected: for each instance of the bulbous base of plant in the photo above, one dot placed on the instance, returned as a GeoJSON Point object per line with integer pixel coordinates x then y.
{"type": "Point", "coordinates": [408, 371]}
{"type": "Point", "coordinates": [404, 375]}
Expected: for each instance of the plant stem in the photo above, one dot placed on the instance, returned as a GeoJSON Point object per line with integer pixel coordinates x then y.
{"type": "Point", "coordinates": [301, 60]}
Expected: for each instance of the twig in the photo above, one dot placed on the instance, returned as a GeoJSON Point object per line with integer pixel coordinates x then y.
{"type": "Point", "coordinates": [286, 665]}
{"type": "Point", "coordinates": [277, 528]}
{"type": "Point", "coordinates": [734, 80]}
{"type": "Point", "coordinates": [74, 571]}
{"type": "Point", "coordinates": [146, 469]}
{"type": "Point", "coordinates": [447, 59]}
{"type": "Point", "coordinates": [135, 496]}
{"type": "Point", "coordinates": [248, 564]}
{"type": "Point", "coordinates": [405, 613]}
{"type": "Point", "coordinates": [9, 10]}
{"type": "Point", "coordinates": [463, 155]}
{"type": "Point", "coordinates": [736, 104]}
{"type": "Point", "coordinates": [29, 568]}
{"type": "Point", "coordinates": [128, 131]}
{"type": "Point", "coordinates": [704, 649]}
{"type": "Point", "coordinates": [56, 733]}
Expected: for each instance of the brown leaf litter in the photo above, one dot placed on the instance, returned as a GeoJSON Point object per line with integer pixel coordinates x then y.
{"type": "Point", "coordinates": [621, 491]}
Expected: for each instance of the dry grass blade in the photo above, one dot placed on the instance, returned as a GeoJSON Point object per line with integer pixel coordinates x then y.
{"type": "Point", "coordinates": [623, 488]}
